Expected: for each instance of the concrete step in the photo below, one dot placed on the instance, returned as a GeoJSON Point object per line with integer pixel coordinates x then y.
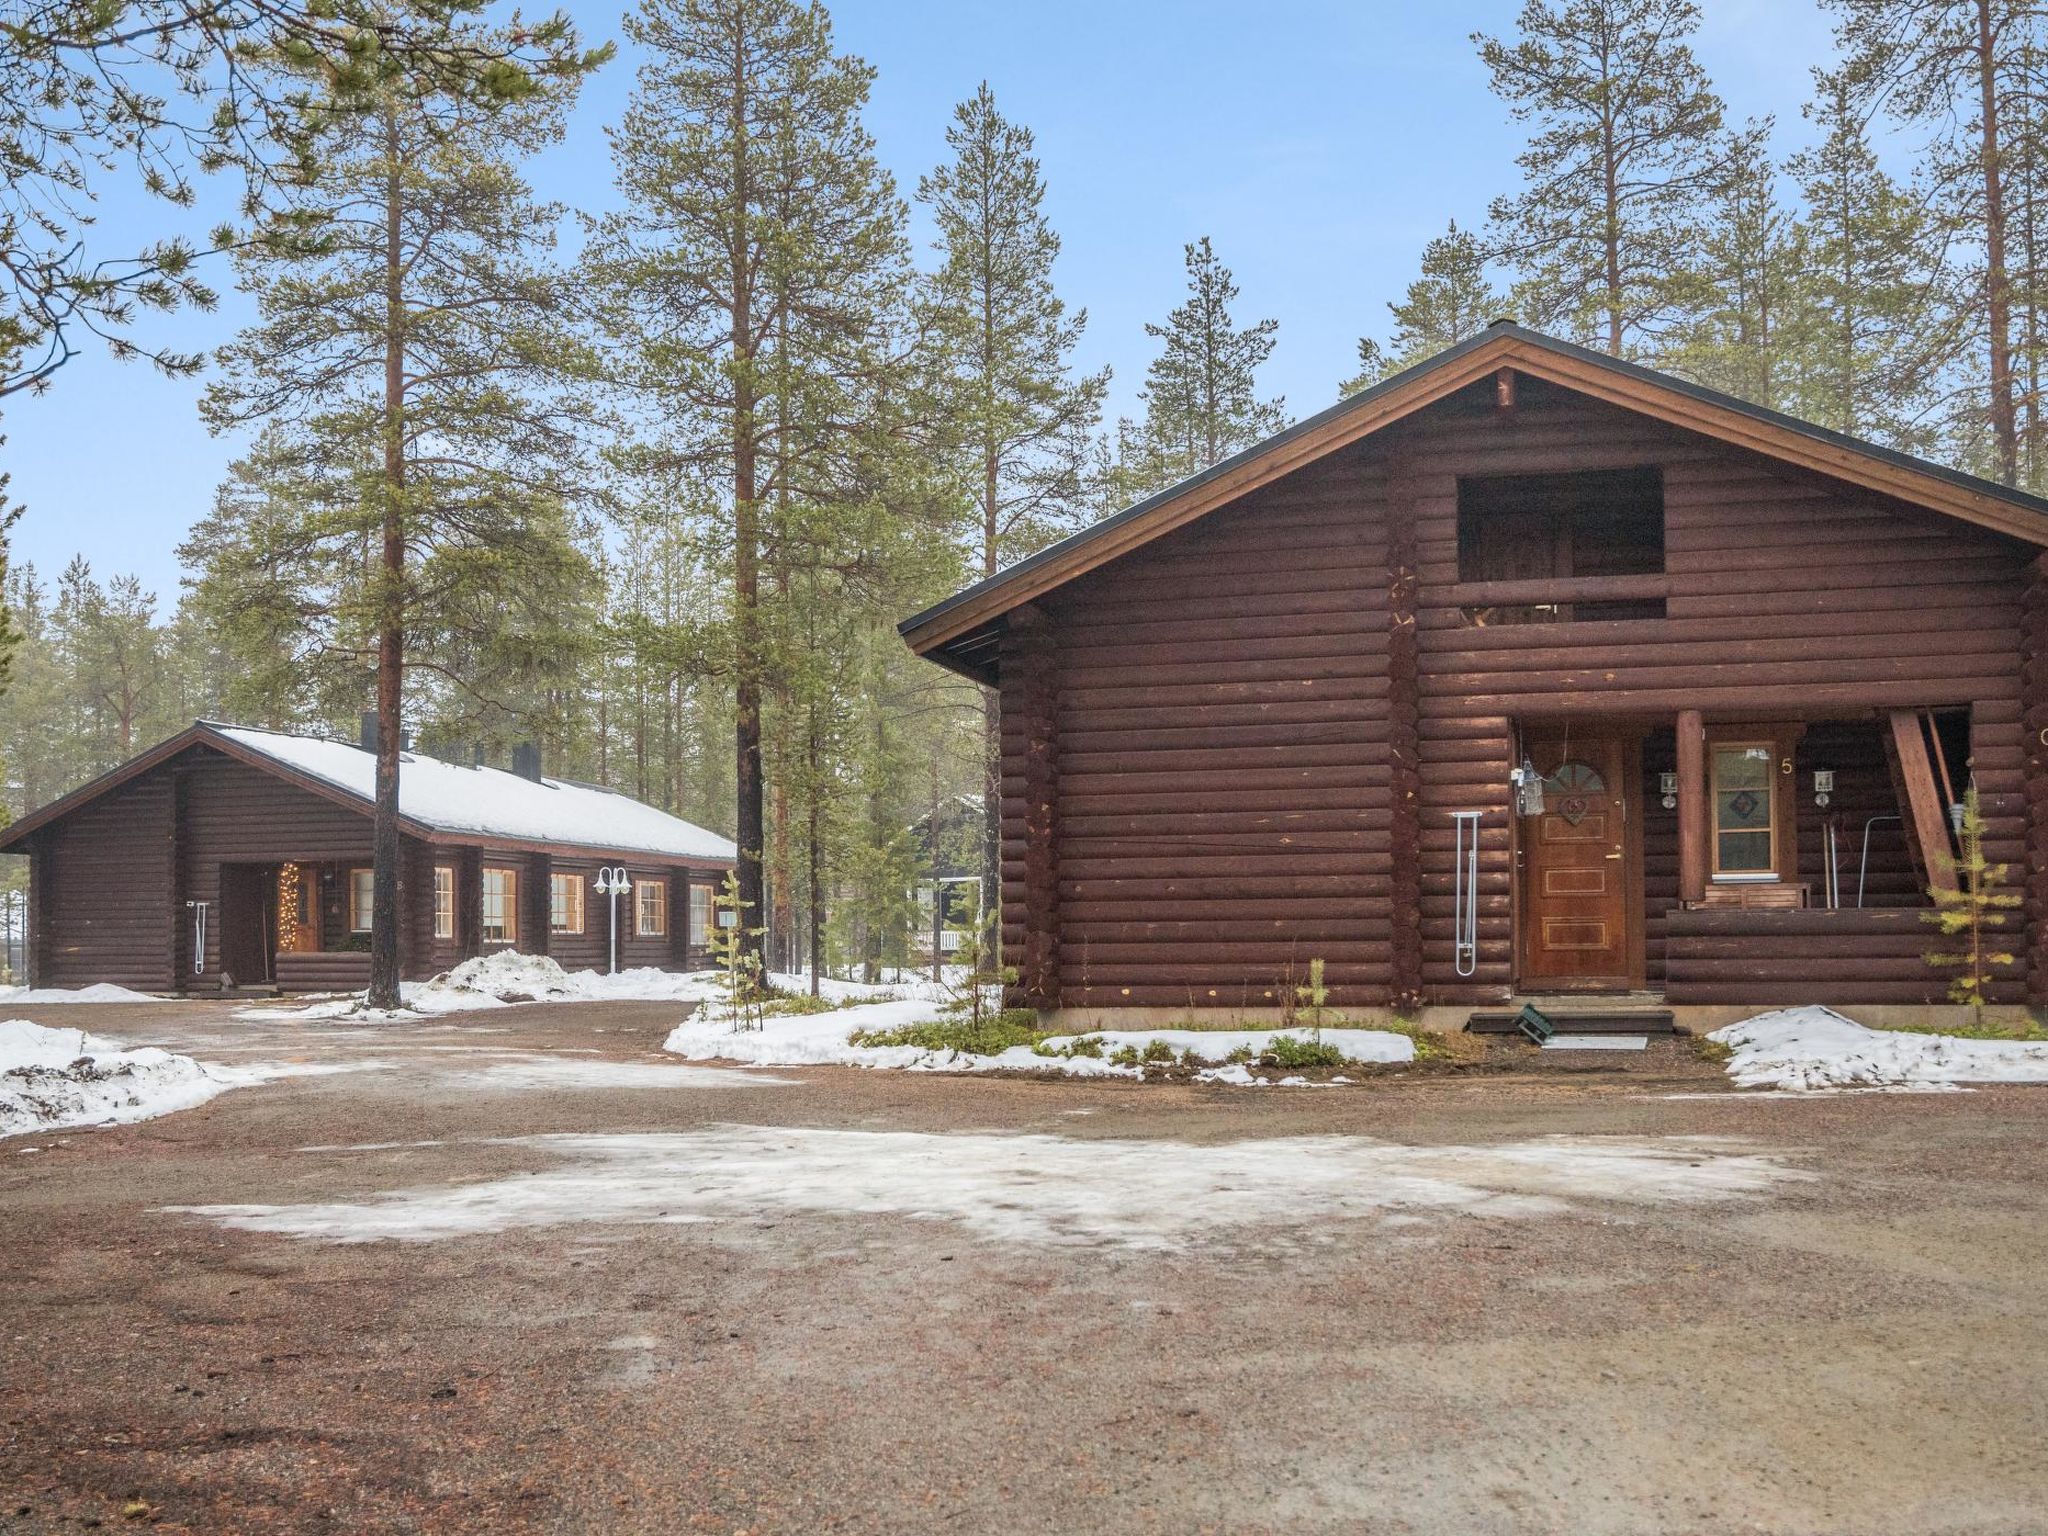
{"type": "Point", "coordinates": [1578, 1019]}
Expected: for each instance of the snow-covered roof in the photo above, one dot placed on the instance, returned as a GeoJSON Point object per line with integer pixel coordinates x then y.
{"type": "Point", "coordinates": [489, 802]}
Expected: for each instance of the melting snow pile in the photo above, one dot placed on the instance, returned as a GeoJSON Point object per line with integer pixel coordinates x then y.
{"type": "Point", "coordinates": [54, 1078]}
{"type": "Point", "coordinates": [493, 981]}
{"type": "Point", "coordinates": [98, 992]}
{"type": "Point", "coordinates": [1817, 1048]}
{"type": "Point", "coordinates": [798, 1040]}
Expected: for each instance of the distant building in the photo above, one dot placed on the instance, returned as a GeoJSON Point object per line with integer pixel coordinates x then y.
{"type": "Point", "coordinates": [228, 854]}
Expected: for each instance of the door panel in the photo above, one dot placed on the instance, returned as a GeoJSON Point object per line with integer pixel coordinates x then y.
{"type": "Point", "coordinates": [246, 921]}
{"type": "Point", "coordinates": [1575, 887]}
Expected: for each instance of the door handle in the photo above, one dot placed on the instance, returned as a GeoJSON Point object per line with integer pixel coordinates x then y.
{"type": "Point", "coordinates": [1613, 855]}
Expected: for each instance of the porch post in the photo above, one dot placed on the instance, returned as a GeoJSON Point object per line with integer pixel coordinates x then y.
{"type": "Point", "coordinates": [1692, 808]}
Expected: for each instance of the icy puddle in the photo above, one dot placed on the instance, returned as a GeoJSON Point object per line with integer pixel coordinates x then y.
{"type": "Point", "coordinates": [1041, 1189]}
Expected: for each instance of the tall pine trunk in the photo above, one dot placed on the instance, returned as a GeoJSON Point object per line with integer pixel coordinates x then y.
{"type": "Point", "coordinates": [390, 604]}
{"type": "Point", "coordinates": [1998, 290]}
{"type": "Point", "coordinates": [991, 712]}
{"type": "Point", "coordinates": [748, 826]}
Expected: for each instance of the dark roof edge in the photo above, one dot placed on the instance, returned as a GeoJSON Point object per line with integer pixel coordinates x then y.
{"type": "Point", "coordinates": [1084, 536]}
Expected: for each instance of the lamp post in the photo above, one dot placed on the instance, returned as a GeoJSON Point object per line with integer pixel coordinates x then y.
{"type": "Point", "coordinates": [612, 882]}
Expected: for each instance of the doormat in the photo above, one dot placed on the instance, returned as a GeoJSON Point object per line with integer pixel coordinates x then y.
{"type": "Point", "coordinates": [1597, 1043]}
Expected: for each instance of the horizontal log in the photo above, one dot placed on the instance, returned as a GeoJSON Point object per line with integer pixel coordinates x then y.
{"type": "Point", "coordinates": [1788, 701]}
{"type": "Point", "coordinates": [1706, 671]}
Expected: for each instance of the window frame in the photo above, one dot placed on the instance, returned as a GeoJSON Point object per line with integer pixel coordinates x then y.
{"type": "Point", "coordinates": [444, 901]}
{"type": "Point", "coordinates": [700, 914]}
{"type": "Point", "coordinates": [655, 886]}
{"type": "Point", "coordinates": [362, 911]}
{"type": "Point", "coordinates": [508, 923]}
{"type": "Point", "coordinates": [565, 915]}
{"type": "Point", "coordinates": [1772, 829]}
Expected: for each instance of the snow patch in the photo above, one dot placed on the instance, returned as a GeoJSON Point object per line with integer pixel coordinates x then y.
{"type": "Point", "coordinates": [51, 1079]}
{"type": "Point", "coordinates": [1215, 1045]}
{"type": "Point", "coordinates": [1041, 1189]}
{"type": "Point", "coordinates": [507, 977]}
{"type": "Point", "coordinates": [1813, 1048]}
{"type": "Point", "coordinates": [98, 992]}
{"type": "Point", "coordinates": [817, 1039]}
{"type": "Point", "coordinates": [554, 1072]}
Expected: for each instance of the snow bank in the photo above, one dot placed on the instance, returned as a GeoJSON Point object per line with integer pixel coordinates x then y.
{"type": "Point", "coordinates": [1215, 1045]}
{"type": "Point", "coordinates": [815, 1039]}
{"type": "Point", "coordinates": [496, 980]}
{"type": "Point", "coordinates": [826, 1039]}
{"type": "Point", "coordinates": [98, 992]}
{"type": "Point", "coordinates": [51, 1079]}
{"type": "Point", "coordinates": [1816, 1048]}
{"type": "Point", "coordinates": [507, 977]}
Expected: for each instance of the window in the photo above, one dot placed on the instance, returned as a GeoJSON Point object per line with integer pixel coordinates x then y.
{"type": "Point", "coordinates": [501, 906]}
{"type": "Point", "coordinates": [362, 893]}
{"type": "Point", "coordinates": [444, 902]}
{"type": "Point", "coordinates": [1531, 529]}
{"type": "Point", "coordinates": [651, 898]}
{"type": "Point", "coordinates": [565, 903]}
{"type": "Point", "coordinates": [1745, 817]}
{"type": "Point", "coordinates": [700, 915]}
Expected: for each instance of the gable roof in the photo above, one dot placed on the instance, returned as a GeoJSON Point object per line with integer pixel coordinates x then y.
{"type": "Point", "coordinates": [1504, 344]}
{"type": "Point", "coordinates": [438, 801]}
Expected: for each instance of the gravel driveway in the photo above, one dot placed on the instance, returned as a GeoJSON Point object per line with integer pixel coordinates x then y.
{"type": "Point", "coordinates": [517, 1271]}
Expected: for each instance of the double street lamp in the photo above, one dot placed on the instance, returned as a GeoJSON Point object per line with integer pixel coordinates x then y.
{"type": "Point", "coordinates": [612, 882]}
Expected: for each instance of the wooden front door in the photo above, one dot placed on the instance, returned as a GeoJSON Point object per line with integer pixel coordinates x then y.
{"type": "Point", "coordinates": [1577, 891]}
{"type": "Point", "coordinates": [247, 896]}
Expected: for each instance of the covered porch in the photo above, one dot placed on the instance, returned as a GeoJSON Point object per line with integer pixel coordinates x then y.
{"type": "Point", "coordinates": [1701, 861]}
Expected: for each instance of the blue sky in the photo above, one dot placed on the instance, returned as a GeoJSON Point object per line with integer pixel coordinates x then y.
{"type": "Point", "coordinates": [1319, 145]}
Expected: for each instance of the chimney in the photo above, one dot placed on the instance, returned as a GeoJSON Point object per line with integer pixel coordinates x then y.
{"type": "Point", "coordinates": [366, 725]}
{"type": "Point", "coordinates": [476, 754]}
{"type": "Point", "coordinates": [526, 761]}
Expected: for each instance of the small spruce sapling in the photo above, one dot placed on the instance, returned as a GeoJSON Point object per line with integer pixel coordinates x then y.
{"type": "Point", "coordinates": [977, 973]}
{"type": "Point", "coordinates": [1969, 913]}
{"type": "Point", "coordinates": [1315, 998]}
{"type": "Point", "coordinates": [739, 962]}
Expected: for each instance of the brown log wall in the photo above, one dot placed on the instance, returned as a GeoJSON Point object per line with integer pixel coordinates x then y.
{"type": "Point", "coordinates": [1784, 958]}
{"type": "Point", "coordinates": [1232, 773]}
{"type": "Point", "coordinates": [103, 881]}
{"type": "Point", "coordinates": [1215, 769]}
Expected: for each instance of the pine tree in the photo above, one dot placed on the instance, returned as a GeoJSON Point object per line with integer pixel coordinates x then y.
{"type": "Point", "coordinates": [1621, 156]}
{"type": "Point", "coordinates": [108, 637]}
{"type": "Point", "coordinates": [1741, 294]}
{"type": "Point", "coordinates": [161, 90]}
{"type": "Point", "coordinates": [1451, 301]}
{"type": "Point", "coordinates": [1965, 73]}
{"type": "Point", "coordinates": [407, 347]}
{"type": "Point", "coordinates": [1201, 392]}
{"type": "Point", "coordinates": [1861, 338]}
{"type": "Point", "coordinates": [1023, 422]}
{"type": "Point", "coordinates": [758, 265]}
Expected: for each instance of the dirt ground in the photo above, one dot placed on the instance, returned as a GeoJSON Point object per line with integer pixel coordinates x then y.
{"type": "Point", "coordinates": [709, 1303]}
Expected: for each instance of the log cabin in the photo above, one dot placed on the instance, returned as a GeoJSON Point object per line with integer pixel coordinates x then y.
{"type": "Point", "coordinates": [227, 858]}
{"type": "Point", "coordinates": [1525, 674]}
